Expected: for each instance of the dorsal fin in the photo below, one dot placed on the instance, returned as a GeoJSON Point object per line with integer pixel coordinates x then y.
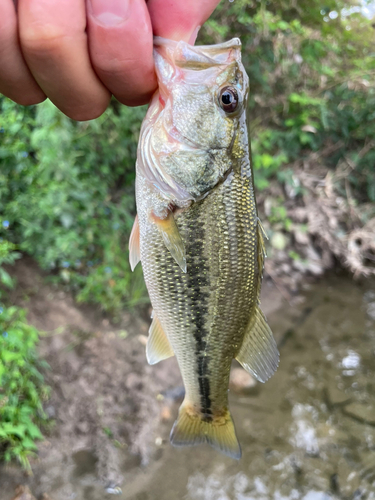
{"type": "Point", "coordinates": [134, 245]}
{"type": "Point", "coordinates": [259, 354]}
{"type": "Point", "coordinates": [158, 346]}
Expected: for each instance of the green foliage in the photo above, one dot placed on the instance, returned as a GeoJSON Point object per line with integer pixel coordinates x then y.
{"type": "Point", "coordinates": [279, 215]}
{"type": "Point", "coordinates": [21, 384]}
{"type": "Point", "coordinates": [294, 255]}
{"type": "Point", "coordinates": [7, 256]}
{"type": "Point", "coordinates": [266, 164]}
{"type": "Point", "coordinates": [68, 194]}
{"type": "Point", "coordinates": [312, 78]}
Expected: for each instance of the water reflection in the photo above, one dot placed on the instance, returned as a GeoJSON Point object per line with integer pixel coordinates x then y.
{"type": "Point", "coordinates": [304, 432]}
{"type": "Point", "coordinates": [369, 301]}
{"type": "Point", "coordinates": [351, 361]}
{"type": "Point", "coordinates": [239, 487]}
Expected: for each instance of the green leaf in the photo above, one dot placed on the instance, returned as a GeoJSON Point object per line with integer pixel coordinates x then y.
{"type": "Point", "coordinates": [34, 432]}
{"type": "Point", "coordinates": [28, 444]}
{"type": "Point", "coordinates": [5, 279]}
{"type": "Point", "coordinates": [9, 356]}
{"type": "Point", "coordinates": [17, 430]}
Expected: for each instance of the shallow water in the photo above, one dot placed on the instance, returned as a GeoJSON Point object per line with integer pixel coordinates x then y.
{"type": "Point", "coordinates": [307, 434]}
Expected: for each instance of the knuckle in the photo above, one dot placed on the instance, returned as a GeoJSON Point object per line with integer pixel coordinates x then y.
{"type": "Point", "coordinates": [29, 100]}
{"type": "Point", "coordinates": [85, 114]}
{"type": "Point", "coordinates": [112, 65]}
{"type": "Point", "coordinates": [40, 38]}
{"type": "Point", "coordinates": [23, 98]}
{"type": "Point", "coordinates": [134, 101]}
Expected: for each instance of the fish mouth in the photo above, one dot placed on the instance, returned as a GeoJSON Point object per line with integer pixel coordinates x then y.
{"type": "Point", "coordinates": [159, 41]}
{"type": "Point", "coordinates": [185, 55]}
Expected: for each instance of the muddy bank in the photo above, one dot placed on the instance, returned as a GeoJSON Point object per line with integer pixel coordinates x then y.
{"type": "Point", "coordinates": [314, 224]}
{"type": "Point", "coordinates": [104, 395]}
{"type": "Point", "coordinates": [308, 434]}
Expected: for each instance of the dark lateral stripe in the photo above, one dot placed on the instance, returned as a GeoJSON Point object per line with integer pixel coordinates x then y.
{"type": "Point", "coordinates": [198, 277]}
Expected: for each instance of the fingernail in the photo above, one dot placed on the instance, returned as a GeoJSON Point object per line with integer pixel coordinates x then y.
{"type": "Point", "coordinates": [109, 12]}
{"type": "Point", "coordinates": [194, 35]}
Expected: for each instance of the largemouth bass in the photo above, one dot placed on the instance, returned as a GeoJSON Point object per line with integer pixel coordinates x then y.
{"type": "Point", "coordinates": [198, 235]}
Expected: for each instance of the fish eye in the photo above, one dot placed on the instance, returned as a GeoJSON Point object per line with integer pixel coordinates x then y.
{"type": "Point", "coordinates": [228, 99]}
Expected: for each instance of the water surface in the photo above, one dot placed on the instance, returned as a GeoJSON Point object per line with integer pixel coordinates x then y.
{"type": "Point", "coordinates": [309, 432]}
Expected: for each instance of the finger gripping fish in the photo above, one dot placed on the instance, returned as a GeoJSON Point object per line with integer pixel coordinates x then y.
{"type": "Point", "coordinates": [198, 235]}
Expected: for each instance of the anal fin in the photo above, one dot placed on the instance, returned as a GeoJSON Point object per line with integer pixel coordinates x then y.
{"type": "Point", "coordinates": [192, 429]}
{"type": "Point", "coordinates": [134, 245]}
{"type": "Point", "coordinates": [259, 354]}
{"type": "Point", "coordinates": [172, 238]}
{"type": "Point", "coordinates": [158, 346]}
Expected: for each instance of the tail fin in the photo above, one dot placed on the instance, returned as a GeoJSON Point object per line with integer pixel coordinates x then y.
{"type": "Point", "coordinates": [190, 429]}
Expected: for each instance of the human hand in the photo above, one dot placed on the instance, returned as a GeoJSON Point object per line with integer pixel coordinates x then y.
{"type": "Point", "coordinates": [77, 54]}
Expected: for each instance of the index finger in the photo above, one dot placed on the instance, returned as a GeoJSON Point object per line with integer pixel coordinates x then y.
{"type": "Point", "coordinates": [120, 41]}
{"type": "Point", "coordinates": [180, 19]}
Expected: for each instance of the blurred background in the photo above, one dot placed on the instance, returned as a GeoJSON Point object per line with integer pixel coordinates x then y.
{"type": "Point", "coordinates": [79, 407]}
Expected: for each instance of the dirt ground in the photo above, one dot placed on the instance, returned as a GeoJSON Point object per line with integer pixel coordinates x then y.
{"type": "Point", "coordinates": [106, 402]}
{"type": "Point", "coordinates": [103, 392]}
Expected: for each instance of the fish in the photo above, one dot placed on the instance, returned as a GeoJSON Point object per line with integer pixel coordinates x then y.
{"type": "Point", "coordinates": [198, 236]}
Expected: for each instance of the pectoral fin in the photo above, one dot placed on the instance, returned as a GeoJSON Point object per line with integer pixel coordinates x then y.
{"type": "Point", "coordinates": [158, 346]}
{"type": "Point", "coordinates": [172, 238]}
{"type": "Point", "coordinates": [134, 246]}
{"type": "Point", "coordinates": [259, 354]}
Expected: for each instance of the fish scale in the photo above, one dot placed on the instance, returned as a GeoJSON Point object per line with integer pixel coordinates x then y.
{"type": "Point", "coordinates": [227, 249]}
{"type": "Point", "coordinates": [202, 259]}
